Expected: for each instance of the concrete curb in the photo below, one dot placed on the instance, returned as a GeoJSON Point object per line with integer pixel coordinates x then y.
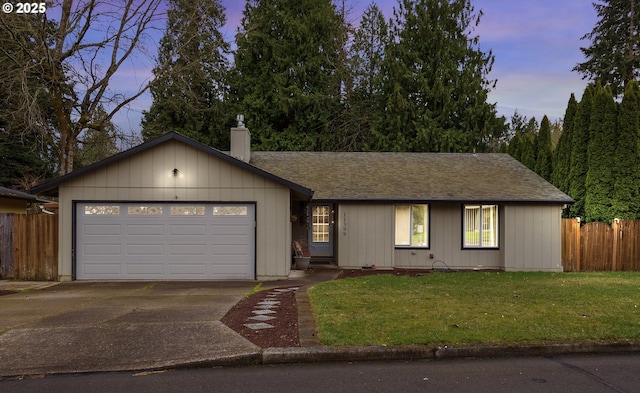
{"type": "Point", "coordinates": [381, 353]}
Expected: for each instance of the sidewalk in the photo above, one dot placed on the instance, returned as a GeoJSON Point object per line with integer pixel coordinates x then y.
{"type": "Point", "coordinates": [82, 327]}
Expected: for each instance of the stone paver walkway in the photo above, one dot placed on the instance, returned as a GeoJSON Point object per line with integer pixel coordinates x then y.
{"type": "Point", "coordinates": [267, 310]}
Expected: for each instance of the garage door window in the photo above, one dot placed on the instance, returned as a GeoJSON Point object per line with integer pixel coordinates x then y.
{"type": "Point", "coordinates": [144, 210]}
{"type": "Point", "coordinates": [93, 210]}
{"type": "Point", "coordinates": [187, 210]}
{"type": "Point", "coordinates": [230, 211]}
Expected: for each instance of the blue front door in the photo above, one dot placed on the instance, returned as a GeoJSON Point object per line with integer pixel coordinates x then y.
{"type": "Point", "coordinates": [321, 230]}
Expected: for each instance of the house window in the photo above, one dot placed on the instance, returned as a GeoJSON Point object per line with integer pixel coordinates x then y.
{"type": "Point", "coordinates": [187, 210]}
{"type": "Point", "coordinates": [230, 211]}
{"type": "Point", "coordinates": [320, 217]}
{"type": "Point", "coordinates": [144, 210]}
{"type": "Point", "coordinates": [90, 210]}
{"type": "Point", "coordinates": [412, 225]}
{"type": "Point", "coordinates": [480, 226]}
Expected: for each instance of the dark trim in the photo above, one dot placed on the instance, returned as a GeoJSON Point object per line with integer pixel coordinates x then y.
{"type": "Point", "coordinates": [52, 186]}
{"type": "Point", "coordinates": [443, 201]}
{"type": "Point", "coordinates": [74, 234]}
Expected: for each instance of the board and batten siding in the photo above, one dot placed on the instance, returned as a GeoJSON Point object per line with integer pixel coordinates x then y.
{"type": "Point", "coordinates": [365, 235]}
{"type": "Point", "coordinates": [148, 176]}
{"type": "Point", "coordinates": [534, 239]}
{"type": "Point", "coordinates": [445, 244]}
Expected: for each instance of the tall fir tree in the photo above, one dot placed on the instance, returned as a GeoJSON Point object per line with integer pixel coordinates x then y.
{"type": "Point", "coordinates": [627, 174]}
{"type": "Point", "coordinates": [613, 58]}
{"type": "Point", "coordinates": [579, 156]}
{"type": "Point", "coordinates": [97, 144]}
{"type": "Point", "coordinates": [365, 98]}
{"type": "Point", "coordinates": [601, 158]}
{"type": "Point", "coordinates": [544, 153]}
{"type": "Point", "coordinates": [190, 87]}
{"type": "Point", "coordinates": [287, 72]}
{"type": "Point", "coordinates": [438, 86]}
{"type": "Point", "coordinates": [517, 129]}
{"type": "Point", "coordinates": [562, 154]}
{"type": "Point", "coordinates": [528, 146]}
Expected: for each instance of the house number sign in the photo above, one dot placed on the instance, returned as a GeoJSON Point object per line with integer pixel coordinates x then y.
{"type": "Point", "coordinates": [344, 224]}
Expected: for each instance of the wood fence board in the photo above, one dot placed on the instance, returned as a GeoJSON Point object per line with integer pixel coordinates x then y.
{"type": "Point", "coordinates": [601, 247]}
{"type": "Point", "coordinates": [6, 246]}
{"type": "Point", "coordinates": [571, 245]}
{"type": "Point", "coordinates": [36, 247]}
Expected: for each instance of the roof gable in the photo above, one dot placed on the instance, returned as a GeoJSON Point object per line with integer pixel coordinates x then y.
{"type": "Point", "coordinates": [411, 176]}
{"type": "Point", "coordinates": [51, 187]}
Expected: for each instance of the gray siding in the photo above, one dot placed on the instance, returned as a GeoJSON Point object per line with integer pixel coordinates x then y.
{"type": "Point", "coordinates": [534, 239]}
{"type": "Point", "coordinates": [365, 235]}
{"type": "Point", "coordinates": [201, 177]}
{"type": "Point", "coordinates": [446, 244]}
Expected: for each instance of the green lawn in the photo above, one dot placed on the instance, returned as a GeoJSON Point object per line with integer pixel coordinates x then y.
{"type": "Point", "coordinates": [471, 308]}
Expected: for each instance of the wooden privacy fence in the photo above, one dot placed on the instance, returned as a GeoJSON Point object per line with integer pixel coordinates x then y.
{"type": "Point", "coordinates": [29, 247]}
{"type": "Point", "coordinates": [597, 246]}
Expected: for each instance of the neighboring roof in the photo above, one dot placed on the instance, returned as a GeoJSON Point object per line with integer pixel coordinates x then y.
{"type": "Point", "coordinates": [435, 177]}
{"type": "Point", "coordinates": [15, 194]}
{"type": "Point", "coordinates": [52, 186]}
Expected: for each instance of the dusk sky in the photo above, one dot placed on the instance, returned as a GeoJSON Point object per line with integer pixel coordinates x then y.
{"type": "Point", "coordinates": [535, 43]}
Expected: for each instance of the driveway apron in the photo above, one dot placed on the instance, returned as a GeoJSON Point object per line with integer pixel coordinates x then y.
{"type": "Point", "coordinates": [114, 326]}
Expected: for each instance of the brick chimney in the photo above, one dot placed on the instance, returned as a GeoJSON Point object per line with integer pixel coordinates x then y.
{"type": "Point", "coordinates": [241, 141]}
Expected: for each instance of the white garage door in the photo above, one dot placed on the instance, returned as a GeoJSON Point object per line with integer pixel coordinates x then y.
{"type": "Point", "coordinates": [164, 241]}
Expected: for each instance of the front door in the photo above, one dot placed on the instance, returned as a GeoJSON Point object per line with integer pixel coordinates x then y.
{"type": "Point", "coordinates": [321, 231]}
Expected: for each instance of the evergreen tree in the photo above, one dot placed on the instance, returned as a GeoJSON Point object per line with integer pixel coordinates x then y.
{"type": "Point", "coordinates": [528, 145]}
{"type": "Point", "coordinates": [562, 154]}
{"type": "Point", "coordinates": [613, 57]}
{"type": "Point", "coordinates": [437, 90]}
{"type": "Point", "coordinates": [517, 129]}
{"type": "Point", "coordinates": [365, 99]}
{"type": "Point", "coordinates": [287, 72]}
{"type": "Point", "coordinates": [579, 148]}
{"type": "Point", "coordinates": [544, 155]}
{"type": "Point", "coordinates": [190, 86]}
{"type": "Point", "coordinates": [97, 144]}
{"type": "Point", "coordinates": [627, 181]}
{"type": "Point", "coordinates": [601, 157]}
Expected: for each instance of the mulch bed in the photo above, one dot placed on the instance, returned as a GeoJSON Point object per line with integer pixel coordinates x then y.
{"type": "Point", "coordinates": [285, 327]}
{"type": "Point", "coordinates": [2, 293]}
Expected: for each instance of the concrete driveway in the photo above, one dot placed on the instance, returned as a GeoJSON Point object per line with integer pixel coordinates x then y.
{"type": "Point", "coordinates": [113, 326]}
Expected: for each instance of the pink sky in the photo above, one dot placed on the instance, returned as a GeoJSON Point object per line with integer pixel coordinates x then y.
{"type": "Point", "coordinates": [535, 43]}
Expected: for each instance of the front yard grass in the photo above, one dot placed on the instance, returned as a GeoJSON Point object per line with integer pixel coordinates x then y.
{"type": "Point", "coordinates": [478, 308]}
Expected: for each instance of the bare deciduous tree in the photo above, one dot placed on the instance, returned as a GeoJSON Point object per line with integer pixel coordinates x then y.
{"type": "Point", "coordinates": [58, 71]}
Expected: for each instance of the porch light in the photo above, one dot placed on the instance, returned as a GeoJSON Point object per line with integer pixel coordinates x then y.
{"type": "Point", "coordinates": [175, 171]}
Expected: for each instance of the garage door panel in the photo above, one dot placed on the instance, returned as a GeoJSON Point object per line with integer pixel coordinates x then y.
{"type": "Point", "coordinates": [102, 269]}
{"type": "Point", "coordinates": [188, 249]}
{"type": "Point", "coordinates": [102, 229]}
{"type": "Point", "coordinates": [146, 269]}
{"type": "Point", "coordinates": [186, 269]}
{"type": "Point", "coordinates": [188, 229]}
{"type": "Point", "coordinates": [233, 240]}
{"type": "Point", "coordinates": [165, 241]}
{"type": "Point", "coordinates": [102, 249]}
{"type": "Point", "coordinates": [145, 249]}
{"type": "Point", "coordinates": [145, 229]}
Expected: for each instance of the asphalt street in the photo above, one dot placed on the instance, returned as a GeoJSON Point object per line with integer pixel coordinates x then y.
{"type": "Point", "coordinates": [566, 374]}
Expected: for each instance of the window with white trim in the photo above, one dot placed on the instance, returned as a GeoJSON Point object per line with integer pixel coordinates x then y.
{"type": "Point", "coordinates": [480, 226]}
{"type": "Point", "coordinates": [412, 226]}
{"type": "Point", "coordinates": [320, 230]}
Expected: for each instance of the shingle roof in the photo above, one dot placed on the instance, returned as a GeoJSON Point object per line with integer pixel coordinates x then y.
{"type": "Point", "coordinates": [51, 187]}
{"type": "Point", "coordinates": [411, 176]}
{"type": "Point", "coordinates": [15, 194]}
